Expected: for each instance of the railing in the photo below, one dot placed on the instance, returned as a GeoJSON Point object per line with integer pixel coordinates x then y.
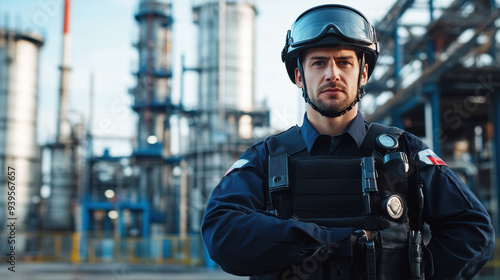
{"type": "Point", "coordinates": [98, 247]}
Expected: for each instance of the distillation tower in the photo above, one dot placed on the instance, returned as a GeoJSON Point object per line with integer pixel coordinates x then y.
{"type": "Point", "coordinates": [223, 126]}
{"type": "Point", "coordinates": [19, 151]}
{"type": "Point", "coordinates": [152, 103]}
{"type": "Point", "coordinates": [140, 200]}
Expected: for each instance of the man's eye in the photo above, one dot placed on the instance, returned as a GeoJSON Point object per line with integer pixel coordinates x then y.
{"type": "Point", "coordinates": [318, 63]}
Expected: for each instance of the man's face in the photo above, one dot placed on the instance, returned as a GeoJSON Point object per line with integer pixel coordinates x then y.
{"type": "Point", "coordinates": [331, 76]}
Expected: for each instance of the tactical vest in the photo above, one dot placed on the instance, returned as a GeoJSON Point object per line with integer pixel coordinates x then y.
{"type": "Point", "coordinates": [368, 191]}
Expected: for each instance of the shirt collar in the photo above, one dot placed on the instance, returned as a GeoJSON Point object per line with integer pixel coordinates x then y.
{"type": "Point", "coordinates": [356, 129]}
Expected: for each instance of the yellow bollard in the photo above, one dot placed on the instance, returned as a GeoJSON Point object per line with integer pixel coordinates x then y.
{"type": "Point", "coordinates": [75, 248]}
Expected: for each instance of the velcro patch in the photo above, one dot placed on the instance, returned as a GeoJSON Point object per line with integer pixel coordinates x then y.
{"type": "Point", "coordinates": [238, 164]}
{"type": "Point", "coordinates": [430, 158]}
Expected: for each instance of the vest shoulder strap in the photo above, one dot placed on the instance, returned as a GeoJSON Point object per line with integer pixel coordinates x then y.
{"type": "Point", "coordinates": [281, 146]}
{"type": "Point", "coordinates": [288, 142]}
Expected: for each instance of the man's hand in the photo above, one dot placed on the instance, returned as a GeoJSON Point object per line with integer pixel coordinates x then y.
{"type": "Point", "coordinates": [369, 234]}
{"type": "Point", "coordinates": [365, 233]}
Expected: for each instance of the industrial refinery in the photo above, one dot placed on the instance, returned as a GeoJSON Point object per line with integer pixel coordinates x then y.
{"type": "Point", "coordinates": [436, 78]}
{"type": "Point", "coordinates": [147, 205]}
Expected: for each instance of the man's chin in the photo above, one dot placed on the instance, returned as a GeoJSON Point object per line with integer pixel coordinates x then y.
{"type": "Point", "coordinates": [332, 111]}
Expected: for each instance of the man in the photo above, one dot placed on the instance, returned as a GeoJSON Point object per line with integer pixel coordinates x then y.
{"type": "Point", "coordinates": [333, 199]}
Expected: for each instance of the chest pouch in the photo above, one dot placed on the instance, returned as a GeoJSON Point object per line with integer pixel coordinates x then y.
{"type": "Point", "coordinates": [327, 191]}
{"type": "Point", "coordinates": [336, 192]}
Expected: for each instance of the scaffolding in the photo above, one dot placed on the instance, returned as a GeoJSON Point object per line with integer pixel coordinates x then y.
{"type": "Point", "coordinates": [438, 78]}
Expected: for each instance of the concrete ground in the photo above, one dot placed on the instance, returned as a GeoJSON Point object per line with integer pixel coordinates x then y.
{"type": "Point", "coordinates": [110, 271]}
{"type": "Point", "coordinates": [123, 271]}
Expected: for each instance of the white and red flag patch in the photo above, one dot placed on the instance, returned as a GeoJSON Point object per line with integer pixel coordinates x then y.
{"type": "Point", "coordinates": [429, 157]}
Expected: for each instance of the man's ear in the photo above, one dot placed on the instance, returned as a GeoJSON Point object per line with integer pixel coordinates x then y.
{"type": "Point", "coordinates": [364, 77]}
{"type": "Point", "coordinates": [298, 78]}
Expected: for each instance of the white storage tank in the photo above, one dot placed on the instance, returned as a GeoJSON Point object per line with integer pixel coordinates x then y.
{"type": "Point", "coordinates": [19, 151]}
{"type": "Point", "coordinates": [236, 30]}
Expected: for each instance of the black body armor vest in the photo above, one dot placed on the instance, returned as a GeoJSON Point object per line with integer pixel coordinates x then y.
{"type": "Point", "coordinates": [368, 191]}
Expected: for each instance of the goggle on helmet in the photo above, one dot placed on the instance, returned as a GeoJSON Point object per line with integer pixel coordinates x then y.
{"type": "Point", "coordinates": [327, 26]}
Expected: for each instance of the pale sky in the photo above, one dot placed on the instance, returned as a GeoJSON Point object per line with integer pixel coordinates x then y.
{"type": "Point", "coordinates": [102, 36]}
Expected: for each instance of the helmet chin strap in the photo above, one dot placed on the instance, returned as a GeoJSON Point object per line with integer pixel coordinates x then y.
{"type": "Point", "coordinates": [360, 93]}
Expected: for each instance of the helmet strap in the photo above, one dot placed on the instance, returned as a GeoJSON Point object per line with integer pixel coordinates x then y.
{"type": "Point", "coordinates": [360, 93]}
{"type": "Point", "coordinates": [304, 87]}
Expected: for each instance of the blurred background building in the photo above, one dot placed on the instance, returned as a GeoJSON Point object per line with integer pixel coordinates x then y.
{"type": "Point", "coordinates": [437, 77]}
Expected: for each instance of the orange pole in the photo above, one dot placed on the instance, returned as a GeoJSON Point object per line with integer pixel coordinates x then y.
{"type": "Point", "coordinates": [67, 9]}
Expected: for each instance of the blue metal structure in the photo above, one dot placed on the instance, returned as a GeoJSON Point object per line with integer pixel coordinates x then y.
{"type": "Point", "coordinates": [453, 91]}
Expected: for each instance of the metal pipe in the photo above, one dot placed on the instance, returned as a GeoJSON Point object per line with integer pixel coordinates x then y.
{"type": "Point", "coordinates": [433, 131]}
{"type": "Point", "coordinates": [183, 202]}
{"type": "Point", "coordinates": [222, 64]}
{"type": "Point", "coordinates": [398, 60]}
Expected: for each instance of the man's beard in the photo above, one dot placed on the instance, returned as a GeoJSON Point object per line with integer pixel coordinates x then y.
{"type": "Point", "coordinates": [335, 110]}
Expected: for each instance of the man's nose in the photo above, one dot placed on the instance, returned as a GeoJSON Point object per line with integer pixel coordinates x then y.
{"type": "Point", "coordinates": [332, 72]}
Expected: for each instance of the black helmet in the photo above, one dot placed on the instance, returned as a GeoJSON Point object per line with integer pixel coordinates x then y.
{"type": "Point", "coordinates": [330, 25]}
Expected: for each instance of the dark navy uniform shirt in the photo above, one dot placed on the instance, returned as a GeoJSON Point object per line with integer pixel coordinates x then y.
{"type": "Point", "coordinates": [245, 239]}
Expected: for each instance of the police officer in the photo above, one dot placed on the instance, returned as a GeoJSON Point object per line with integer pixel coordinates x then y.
{"type": "Point", "coordinates": [250, 230]}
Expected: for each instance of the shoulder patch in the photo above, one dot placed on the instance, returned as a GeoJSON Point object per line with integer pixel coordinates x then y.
{"type": "Point", "coordinates": [429, 157]}
{"type": "Point", "coordinates": [238, 164]}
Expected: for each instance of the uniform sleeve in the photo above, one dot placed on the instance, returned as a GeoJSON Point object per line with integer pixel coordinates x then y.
{"type": "Point", "coordinates": [243, 238]}
{"type": "Point", "coordinates": [462, 236]}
